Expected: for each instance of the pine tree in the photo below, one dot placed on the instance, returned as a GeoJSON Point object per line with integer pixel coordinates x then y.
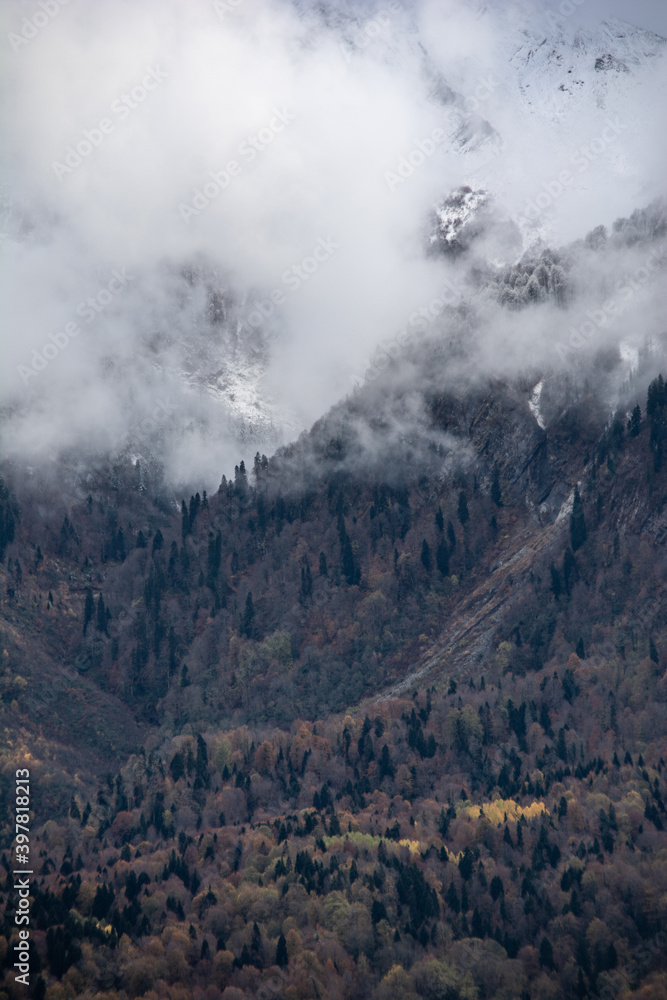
{"type": "Point", "coordinates": [451, 537]}
{"type": "Point", "coordinates": [442, 558]}
{"type": "Point", "coordinates": [426, 556]}
{"type": "Point", "coordinates": [101, 625]}
{"type": "Point", "coordinates": [306, 583]}
{"type": "Point", "coordinates": [635, 421]}
{"type": "Point", "coordinates": [386, 768]}
{"type": "Point", "coordinates": [452, 898]}
{"type": "Point", "coordinates": [496, 495]}
{"type": "Point", "coordinates": [281, 952]}
{"type": "Point", "coordinates": [464, 514]}
{"type": "Point", "coordinates": [439, 520]}
{"type": "Point", "coordinates": [546, 954]}
{"type": "Point", "coordinates": [88, 610]}
{"type": "Point", "coordinates": [248, 621]}
{"type": "Point", "coordinates": [577, 522]}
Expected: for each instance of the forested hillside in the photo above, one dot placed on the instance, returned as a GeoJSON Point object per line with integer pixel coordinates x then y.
{"type": "Point", "coordinates": [350, 734]}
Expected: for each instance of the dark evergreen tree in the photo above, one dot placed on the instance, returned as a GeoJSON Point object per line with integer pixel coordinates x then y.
{"type": "Point", "coordinates": [281, 952]}
{"type": "Point", "coordinates": [426, 556]}
{"type": "Point", "coordinates": [577, 522]}
{"type": "Point", "coordinates": [464, 514]}
{"type": "Point", "coordinates": [452, 898]}
{"type": "Point", "coordinates": [442, 558]}
{"type": "Point", "coordinates": [88, 610]}
{"type": "Point", "coordinates": [102, 616]}
{"type": "Point", "coordinates": [248, 620]}
{"type": "Point", "coordinates": [451, 537]}
{"type": "Point", "coordinates": [177, 766]}
{"type": "Point", "coordinates": [496, 494]}
{"type": "Point", "coordinates": [386, 768]}
{"type": "Point", "coordinates": [546, 954]}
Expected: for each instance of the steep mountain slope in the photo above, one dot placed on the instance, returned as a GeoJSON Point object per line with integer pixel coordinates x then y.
{"type": "Point", "coordinates": [498, 834]}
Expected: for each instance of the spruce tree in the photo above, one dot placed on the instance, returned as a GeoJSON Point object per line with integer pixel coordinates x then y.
{"type": "Point", "coordinates": [281, 952]}
{"type": "Point", "coordinates": [248, 620]}
{"type": "Point", "coordinates": [496, 495]}
{"type": "Point", "coordinates": [101, 616]}
{"type": "Point", "coordinates": [451, 537]}
{"type": "Point", "coordinates": [426, 556]}
{"type": "Point", "coordinates": [442, 559]}
{"type": "Point", "coordinates": [464, 515]}
{"type": "Point", "coordinates": [88, 610]}
{"type": "Point", "coordinates": [577, 522]}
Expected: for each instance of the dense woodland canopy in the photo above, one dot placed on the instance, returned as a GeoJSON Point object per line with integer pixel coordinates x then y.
{"type": "Point", "coordinates": [239, 801]}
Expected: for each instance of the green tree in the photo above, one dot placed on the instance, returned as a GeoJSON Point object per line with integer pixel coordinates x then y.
{"type": "Point", "coordinates": [442, 558]}
{"type": "Point", "coordinates": [177, 766]}
{"type": "Point", "coordinates": [496, 494]}
{"type": "Point", "coordinates": [577, 522]}
{"type": "Point", "coordinates": [464, 514]}
{"type": "Point", "coordinates": [88, 610]}
{"type": "Point", "coordinates": [386, 768]}
{"type": "Point", "coordinates": [248, 620]}
{"type": "Point", "coordinates": [426, 556]}
{"type": "Point", "coordinates": [102, 616]}
{"type": "Point", "coordinates": [466, 864]}
{"type": "Point", "coordinates": [546, 954]}
{"type": "Point", "coordinates": [281, 952]}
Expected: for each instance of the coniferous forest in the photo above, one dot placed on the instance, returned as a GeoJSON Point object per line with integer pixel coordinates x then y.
{"type": "Point", "coordinates": [344, 736]}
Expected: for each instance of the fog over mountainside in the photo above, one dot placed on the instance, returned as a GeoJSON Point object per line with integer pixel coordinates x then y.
{"type": "Point", "coordinates": [211, 318]}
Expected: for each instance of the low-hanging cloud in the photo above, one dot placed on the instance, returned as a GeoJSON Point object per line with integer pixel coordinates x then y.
{"type": "Point", "coordinates": [225, 206]}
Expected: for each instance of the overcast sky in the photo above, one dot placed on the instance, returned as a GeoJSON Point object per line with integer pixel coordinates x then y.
{"type": "Point", "coordinates": [650, 14]}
